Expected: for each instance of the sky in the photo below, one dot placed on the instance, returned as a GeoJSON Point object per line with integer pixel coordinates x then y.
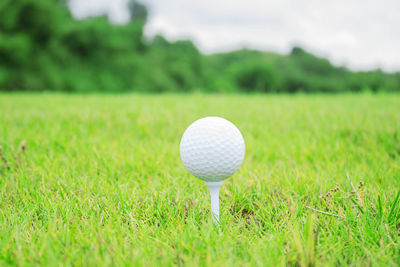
{"type": "Point", "coordinates": [358, 34]}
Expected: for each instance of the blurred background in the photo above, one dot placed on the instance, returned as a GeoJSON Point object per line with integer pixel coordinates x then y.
{"type": "Point", "coordinates": [186, 46]}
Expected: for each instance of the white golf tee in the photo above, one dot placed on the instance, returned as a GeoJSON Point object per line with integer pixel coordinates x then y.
{"type": "Point", "coordinates": [214, 188]}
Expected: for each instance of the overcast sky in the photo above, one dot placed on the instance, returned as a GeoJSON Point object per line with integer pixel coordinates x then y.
{"type": "Point", "coordinates": [360, 34]}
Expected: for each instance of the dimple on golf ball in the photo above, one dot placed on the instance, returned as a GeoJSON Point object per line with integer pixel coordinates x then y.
{"type": "Point", "coordinates": [212, 149]}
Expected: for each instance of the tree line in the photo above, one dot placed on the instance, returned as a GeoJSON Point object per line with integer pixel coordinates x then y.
{"type": "Point", "coordinates": [43, 48]}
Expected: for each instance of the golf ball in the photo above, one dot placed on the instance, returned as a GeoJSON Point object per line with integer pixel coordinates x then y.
{"type": "Point", "coordinates": [212, 149]}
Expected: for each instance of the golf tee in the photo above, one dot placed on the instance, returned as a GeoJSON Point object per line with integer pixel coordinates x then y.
{"type": "Point", "coordinates": [214, 188]}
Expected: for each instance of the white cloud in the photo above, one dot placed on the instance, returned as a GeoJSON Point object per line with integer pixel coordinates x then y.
{"type": "Point", "coordinates": [362, 34]}
{"type": "Point", "coordinates": [115, 9]}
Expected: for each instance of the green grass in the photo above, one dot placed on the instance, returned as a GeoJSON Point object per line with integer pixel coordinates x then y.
{"type": "Point", "coordinates": [101, 181]}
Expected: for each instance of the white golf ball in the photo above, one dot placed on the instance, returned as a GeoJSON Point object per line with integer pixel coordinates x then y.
{"type": "Point", "coordinates": [212, 149]}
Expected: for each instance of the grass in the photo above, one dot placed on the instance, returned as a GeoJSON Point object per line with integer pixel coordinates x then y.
{"type": "Point", "coordinates": [98, 181]}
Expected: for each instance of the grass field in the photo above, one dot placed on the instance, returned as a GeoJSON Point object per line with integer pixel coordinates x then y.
{"type": "Point", "coordinates": [99, 181]}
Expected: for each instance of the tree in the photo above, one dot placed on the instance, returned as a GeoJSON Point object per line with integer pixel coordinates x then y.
{"type": "Point", "coordinates": [137, 11]}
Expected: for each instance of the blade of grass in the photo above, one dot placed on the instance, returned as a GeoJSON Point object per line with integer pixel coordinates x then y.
{"type": "Point", "coordinates": [393, 206]}
{"type": "Point", "coordinates": [357, 204]}
{"type": "Point", "coordinates": [326, 213]}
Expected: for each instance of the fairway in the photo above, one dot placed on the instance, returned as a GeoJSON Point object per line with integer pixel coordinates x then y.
{"type": "Point", "coordinates": [100, 182]}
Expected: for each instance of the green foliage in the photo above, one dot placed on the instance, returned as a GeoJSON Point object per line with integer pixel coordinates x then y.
{"type": "Point", "coordinates": [255, 76]}
{"type": "Point", "coordinates": [180, 65]}
{"type": "Point", "coordinates": [42, 47]}
{"type": "Point", "coordinates": [99, 181]}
